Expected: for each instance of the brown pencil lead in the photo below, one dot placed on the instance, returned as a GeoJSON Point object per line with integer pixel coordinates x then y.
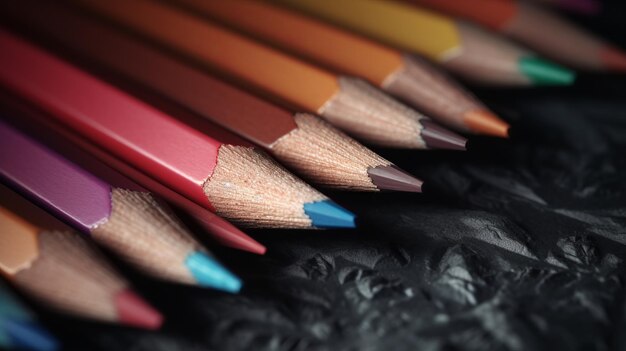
{"type": "Point", "coordinates": [485, 122]}
{"type": "Point", "coordinates": [614, 58]}
{"type": "Point", "coordinates": [437, 137]}
{"type": "Point", "coordinates": [392, 178]}
{"type": "Point", "coordinates": [134, 311]}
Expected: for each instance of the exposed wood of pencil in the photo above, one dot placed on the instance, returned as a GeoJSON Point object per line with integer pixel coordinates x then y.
{"type": "Point", "coordinates": [357, 108]}
{"type": "Point", "coordinates": [59, 268]}
{"type": "Point", "coordinates": [241, 183]}
{"type": "Point", "coordinates": [320, 153]}
{"type": "Point", "coordinates": [70, 145]}
{"type": "Point", "coordinates": [413, 80]}
{"type": "Point", "coordinates": [541, 30]}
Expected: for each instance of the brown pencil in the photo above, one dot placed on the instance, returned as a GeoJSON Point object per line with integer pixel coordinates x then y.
{"type": "Point", "coordinates": [410, 78]}
{"type": "Point", "coordinates": [307, 144]}
{"type": "Point", "coordinates": [349, 103]}
{"type": "Point", "coordinates": [60, 268]}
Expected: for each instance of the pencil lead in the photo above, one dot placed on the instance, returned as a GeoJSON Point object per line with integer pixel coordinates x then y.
{"type": "Point", "coordinates": [614, 58]}
{"type": "Point", "coordinates": [485, 122]}
{"type": "Point", "coordinates": [229, 235]}
{"type": "Point", "coordinates": [327, 214]}
{"type": "Point", "coordinates": [393, 178]}
{"type": "Point", "coordinates": [133, 310]}
{"type": "Point", "coordinates": [27, 335]}
{"type": "Point", "coordinates": [208, 272]}
{"type": "Point", "coordinates": [437, 137]}
{"type": "Point", "coordinates": [543, 72]}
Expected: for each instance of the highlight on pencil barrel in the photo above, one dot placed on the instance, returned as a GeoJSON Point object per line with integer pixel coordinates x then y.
{"type": "Point", "coordinates": [460, 47]}
{"type": "Point", "coordinates": [235, 180]}
{"type": "Point", "coordinates": [19, 327]}
{"type": "Point", "coordinates": [61, 269]}
{"type": "Point", "coordinates": [401, 74]}
{"type": "Point", "coordinates": [540, 29]}
{"type": "Point", "coordinates": [349, 103]}
{"type": "Point", "coordinates": [131, 222]}
{"type": "Point", "coordinates": [315, 149]}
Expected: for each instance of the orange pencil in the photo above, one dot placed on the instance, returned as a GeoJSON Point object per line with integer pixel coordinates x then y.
{"type": "Point", "coordinates": [349, 103]}
{"type": "Point", "coordinates": [410, 78]}
{"type": "Point", "coordinates": [541, 30]}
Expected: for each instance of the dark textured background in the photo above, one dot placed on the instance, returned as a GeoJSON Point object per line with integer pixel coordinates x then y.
{"type": "Point", "coordinates": [516, 245]}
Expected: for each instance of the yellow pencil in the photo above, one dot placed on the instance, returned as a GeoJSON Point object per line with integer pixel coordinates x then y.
{"type": "Point", "coordinates": [460, 47]}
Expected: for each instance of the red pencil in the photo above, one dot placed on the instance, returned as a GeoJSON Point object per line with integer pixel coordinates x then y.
{"type": "Point", "coordinates": [235, 180]}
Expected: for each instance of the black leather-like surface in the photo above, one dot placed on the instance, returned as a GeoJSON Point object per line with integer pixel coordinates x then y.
{"type": "Point", "coordinates": [516, 245]}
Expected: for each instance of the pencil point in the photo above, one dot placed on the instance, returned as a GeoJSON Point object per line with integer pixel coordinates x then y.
{"type": "Point", "coordinates": [133, 310]}
{"type": "Point", "coordinates": [437, 137]}
{"type": "Point", "coordinates": [327, 214]}
{"type": "Point", "coordinates": [544, 72]}
{"type": "Point", "coordinates": [208, 272]}
{"type": "Point", "coordinates": [393, 178]}
{"type": "Point", "coordinates": [613, 58]}
{"type": "Point", "coordinates": [26, 335]}
{"type": "Point", "coordinates": [229, 235]}
{"type": "Point", "coordinates": [485, 122]}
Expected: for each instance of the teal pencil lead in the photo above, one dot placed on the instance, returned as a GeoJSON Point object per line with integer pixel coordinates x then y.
{"type": "Point", "coordinates": [208, 272]}
{"type": "Point", "coordinates": [327, 214]}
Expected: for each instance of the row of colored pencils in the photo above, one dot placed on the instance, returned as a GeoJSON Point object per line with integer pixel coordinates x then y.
{"type": "Point", "coordinates": [110, 107]}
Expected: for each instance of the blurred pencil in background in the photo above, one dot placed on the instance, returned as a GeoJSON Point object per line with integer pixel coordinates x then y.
{"type": "Point", "coordinates": [234, 180]}
{"type": "Point", "coordinates": [460, 47]}
{"type": "Point", "coordinates": [61, 269]}
{"type": "Point", "coordinates": [541, 30]}
{"type": "Point", "coordinates": [44, 128]}
{"type": "Point", "coordinates": [128, 220]}
{"type": "Point", "coordinates": [409, 78]}
{"type": "Point", "coordinates": [587, 7]}
{"type": "Point", "coordinates": [307, 144]}
{"type": "Point", "coordinates": [19, 328]}
{"type": "Point", "coordinates": [348, 103]}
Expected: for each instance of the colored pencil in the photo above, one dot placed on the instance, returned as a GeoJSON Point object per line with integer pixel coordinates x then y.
{"type": "Point", "coordinates": [64, 271]}
{"type": "Point", "coordinates": [235, 180]}
{"type": "Point", "coordinates": [127, 220]}
{"type": "Point", "coordinates": [307, 144]}
{"type": "Point", "coordinates": [349, 103]}
{"type": "Point", "coordinates": [410, 78]}
{"type": "Point", "coordinates": [543, 31]}
{"type": "Point", "coordinates": [19, 328]}
{"type": "Point", "coordinates": [43, 128]}
{"type": "Point", "coordinates": [464, 49]}
{"type": "Point", "coordinates": [586, 7]}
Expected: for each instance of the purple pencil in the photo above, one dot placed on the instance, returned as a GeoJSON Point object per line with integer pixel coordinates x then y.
{"type": "Point", "coordinates": [128, 220]}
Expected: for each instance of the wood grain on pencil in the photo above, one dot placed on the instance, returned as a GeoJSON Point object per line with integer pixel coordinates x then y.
{"type": "Point", "coordinates": [236, 181]}
{"type": "Point", "coordinates": [409, 78]}
{"type": "Point", "coordinates": [541, 30]}
{"type": "Point", "coordinates": [348, 103]}
{"type": "Point", "coordinates": [127, 220]}
{"type": "Point", "coordinates": [305, 143]}
{"type": "Point", "coordinates": [460, 47]}
{"type": "Point", "coordinates": [63, 270]}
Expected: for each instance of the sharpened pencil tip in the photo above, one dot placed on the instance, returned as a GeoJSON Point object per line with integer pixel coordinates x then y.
{"type": "Point", "coordinates": [437, 137]}
{"type": "Point", "coordinates": [327, 214]}
{"type": "Point", "coordinates": [393, 178]}
{"type": "Point", "coordinates": [229, 235]}
{"type": "Point", "coordinates": [485, 122]}
{"type": "Point", "coordinates": [613, 59]}
{"type": "Point", "coordinates": [133, 310]}
{"type": "Point", "coordinates": [543, 72]}
{"type": "Point", "coordinates": [208, 272]}
{"type": "Point", "coordinates": [26, 335]}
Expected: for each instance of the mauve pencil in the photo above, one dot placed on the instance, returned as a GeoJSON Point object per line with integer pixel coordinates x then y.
{"type": "Point", "coordinates": [127, 220]}
{"type": "Point", "coordinates": [349, 103]}
{"type": "Point", "coordinates": [95, 161]}
{"type": "Point", "coordinates": [404, 75]}
{"type": "Point", "coordinates": [60, 268]}
{"type": "Point", "coordinates": [235, 180]}
{"type": "Point", "coordinates": [315, 149]}
{"type": "Point", "coordinates": [19, 328]}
